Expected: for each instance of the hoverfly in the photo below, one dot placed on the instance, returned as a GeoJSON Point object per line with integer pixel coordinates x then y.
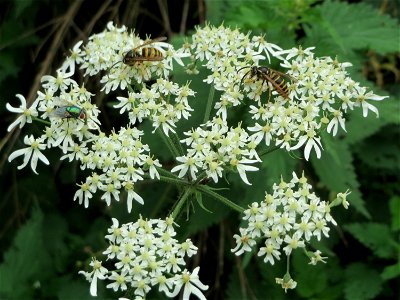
{"type": "Point", "coordinates": [137, 55]}
{"type": "Point", "coordinates": [274, 77]}
{"type": "Point", "coordinates": [144, 54]}
{"type": "Point", "coordinates": [70, 112]}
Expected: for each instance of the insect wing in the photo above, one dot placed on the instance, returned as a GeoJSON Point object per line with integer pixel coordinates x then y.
{"type": "Point", "coordinates": [60, 112]}
{"type": "Point", "coordinates": [281, 87]}
{"type": "Point", "coordinates": [159, 39]}
{"type": "Point", "coordinates": [72, 111]}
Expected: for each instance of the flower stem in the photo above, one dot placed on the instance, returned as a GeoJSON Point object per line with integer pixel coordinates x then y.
{"type": "Point", "coordinates": [210, 101]}
{"type": "Point", "coordinates": [41, 120]}
{"type": "Point", "coordinates": [226, 201]}
{"type": "Point", "coordinates": [269, 150]}
{"type": "Point", "coordinates": [175, 140]}
{"type": "Point", "coordinates": [171, 178]}
{"type": "Point", "coordinates": [168, 142]}
{"type": "Point", "coordinates": [182, 200]}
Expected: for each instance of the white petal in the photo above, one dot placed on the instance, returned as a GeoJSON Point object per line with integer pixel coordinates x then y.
{"type": "Point", "coordinates": [17, 153]}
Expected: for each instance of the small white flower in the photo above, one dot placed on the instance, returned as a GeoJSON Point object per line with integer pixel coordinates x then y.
{"type": "Point", "coordinates": [31, 153]}
{"type": "Point", "coordinates": [312, 142]}
{"type": "Point", "coordinates": [26, 113]}
{"type": "Point", "coordinates": [191, 283]}
{"type": "Point", "coordinates": [316, 257]}
{"type": "Point", "coordinates": [188, 163]}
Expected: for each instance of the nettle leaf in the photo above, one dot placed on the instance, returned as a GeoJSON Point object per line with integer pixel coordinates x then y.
{"type": "Point", "coordinates": [361, 282]}
{"type": "Point", "coordinates": [358, 127]}
{"type": "Point", "coordinates": [379, 151]}
{"type": "Point", "coordinates": [375, 236]}
{"type": "Point", "coordinates": [353, 26]}
{"type": "Point", "coordinates": [336, 171]}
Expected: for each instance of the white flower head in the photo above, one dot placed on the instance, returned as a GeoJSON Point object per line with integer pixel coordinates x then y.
{"type": "Point", "coordinates": [26, 113]}
{"type": "Point", "coordinates": [32, 153]}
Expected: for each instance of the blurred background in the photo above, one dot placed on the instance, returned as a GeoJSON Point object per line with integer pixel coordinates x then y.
{"type": "Point", "coordinates": [46, 238]}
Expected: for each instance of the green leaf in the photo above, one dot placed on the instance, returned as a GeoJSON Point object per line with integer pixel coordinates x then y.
{"type": "Point", "coordinates": [348, 27]}
{"type": "Point", "coordinates": [394, 205]}
{"type": "Point", "coordinates": [276, 164]}
{"type": "Point", "coordinates": [361, 282]}
{"type": "Point", "coordinates": [312, 280]}
{"type": "Point", "coordinates": [26, 262]}
{"type": "Point", "coordinates": [379, 151]}
{"type": "Point", "coordinates": [199, 199]}
{"type": "Point", "coordinates": [391, 272]}
{"type": "Point", "coordinates": [336, 171]}
{"type": "Point", "coordinates": [375, 236]}
{"type": "Point", "coordinates": [73, 289]}
{"type": "Point", "coordinates": [359, 128]}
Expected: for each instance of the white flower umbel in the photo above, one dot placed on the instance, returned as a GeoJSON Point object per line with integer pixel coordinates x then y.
{"type": "Point", "coordinates": [217, 148]}
{"type": "Point", "coordinates": [146, 255]}
{"type": "Point", "coordinates": [105, 51]}
{"type": "Point", "coordinates": [319, 89]}
{"type": "Point", "coordinates": [164, 104]}
{"type": "Point", "coordinates": [286, 220]}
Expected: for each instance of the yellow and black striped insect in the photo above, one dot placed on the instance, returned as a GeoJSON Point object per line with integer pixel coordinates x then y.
{"type": "Point", "coordinates": [141, 53]}
{"type": "Point", "coordinates": [276, 78]}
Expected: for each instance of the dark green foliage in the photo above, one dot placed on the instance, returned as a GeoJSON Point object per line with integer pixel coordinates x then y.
{"type": "Point", "coordinates": [362, 282]}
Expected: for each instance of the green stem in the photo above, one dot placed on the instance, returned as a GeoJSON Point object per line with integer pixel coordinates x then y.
{"type": "Point", "coordinates": [41, 120]}
{"type": "Point", "coordinates": [182, 200]}
{"type": "Point", "coordinates": [210, 101]}
{"type": "Point", "coordinates": [177, 143]}
{"type": "Point", "coordinates": [171, 178]}
{"type": "Point", "coordinates": [269, 150]}
{"type": "Point", "coordinates": [167, 141]}
{"type": "Point", "coordinates": [227, 202]}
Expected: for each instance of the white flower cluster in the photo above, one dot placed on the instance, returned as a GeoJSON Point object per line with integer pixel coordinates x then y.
{"type": "Point", "coordinates": [319, 90]}
{"type": "Point", "coordinates": [121, 158]}
{"type": "Point", "coordinates": [215, 148]}
{"type": "Point", "coordinates": [156, 105]}
{"type": "Point", "coordinates": [147, 255]}
{"type": "Point", "coordinates": [225, 51]}
{"type": "Point", "coordinates": [287, 219]}
{"type": "Point", "coordinates": [66, 107]}
{"type": "Point", "coordinates": [105, 52]}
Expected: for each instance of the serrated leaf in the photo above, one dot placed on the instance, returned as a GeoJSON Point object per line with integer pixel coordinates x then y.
{"type": "Point", "coordinates": [335, 170]}
{"type": "Point", "coordinates": [359, 128]}
{"type": "Point", "coordinates": [362, 283]}
{"type": "Point", "coordinates": [379, 151]}
{"type": "Point", "coordinates": [375, 236]}
{"type": "Point", "coordinates": [349, 27]}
